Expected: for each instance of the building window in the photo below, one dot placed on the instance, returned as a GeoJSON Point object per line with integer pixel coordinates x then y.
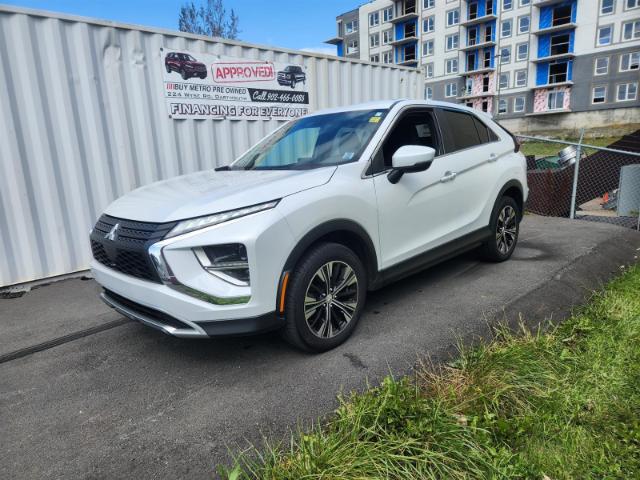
{"type": "Point", "coordinates": [387, 36]}
{"type": "Point", "coordinates": [524, 3]}
{"type": "Point", "coordinates": [502, 106]}
{"type": "Point", "coordinates": [451, 66]}
{"type": "Point", "coordinates": [453, 41]}
{"type": "Point", "coordinates": [427, 48]}
{"type": "Point", "coordinates": [428, 93]}
{"type": "Point", "coordinates": [374, 40]}
{"type": "Point", "coordinates": [607, 7]}
{"type": "Point", "coordinates": [631, 30]}
{"type": "Point", "coordinates": [387, 14]}
{"type": "Point", "coordinates": [605, 35]}
{"type": "Point", "coordinates": [523, 24]}
{"type": "Point", "coordinates": [428, 70]}
{"type": "Point", "coordinates": [601, 66]}
{"type": "Point", "coordinates": [451, 90]}
{"type": "Point", "coordinates": [626, 92]}
{"type": "Point", "coordinates": [429, 24]}
{"type": "Point", "coordinates": [521, 78]}
{"type": "Point", "coordinates": [632, 4]}
{"type": "Point", "coordinates": [599, 94]}
{"type": "Point", "coordinates": [504, 81]}
{"type": "Point", "coordinates": [630, 61]}
{"type": "Point", "coordinates": [351, 27]}
{"type": "Point", "coordinates": [387, 57]}
{"type": "Point", "coordinates": [558, 72]}
{"type": "Point", "coordinates": [522, 51]}
{"type": "Point", "coordinates": [505, 55]}
{"type": "Point", "coordinates": [555, 100]}
{"type": "Point", "coordinates": [428, 4]}
{"type": "Point", "coordinates": [505, 28]}
{"type": "Point", "coordinates": [375, 58]}
{"type": "Point", "coordinates": [560, 44]}
{"type": "Point", "coordinates": [374, 19]}
{"type": "Point", "coordinates": [352, 47]}
{"type": "Point", "coordinates": [453, 17]}
{"type": "Point", "coordinates": [518, 104]}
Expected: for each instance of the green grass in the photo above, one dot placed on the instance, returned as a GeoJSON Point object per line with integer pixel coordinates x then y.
{"type": "Point", "coordinates": [564, 404]}
{"type": "Point", "coordinates": [545, 149]}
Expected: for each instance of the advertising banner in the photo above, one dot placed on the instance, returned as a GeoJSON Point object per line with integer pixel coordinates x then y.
{"type": "Point", "coordinates": [201, 86]}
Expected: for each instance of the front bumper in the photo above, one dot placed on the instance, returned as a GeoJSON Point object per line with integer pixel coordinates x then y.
{"type": "Point", "coordinates": [172, 326]}
{"type": "Point", "coordinates": [194, 303]}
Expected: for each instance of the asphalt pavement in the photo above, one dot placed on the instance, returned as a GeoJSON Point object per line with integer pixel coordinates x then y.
{"type": "Point", "coordinates": [86, 394]}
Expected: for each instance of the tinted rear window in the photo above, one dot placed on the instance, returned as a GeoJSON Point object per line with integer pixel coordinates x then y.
{"type": "Point", "coordinates": [462, 130]}
{"type": "Point", "coordinates": [458, 130]}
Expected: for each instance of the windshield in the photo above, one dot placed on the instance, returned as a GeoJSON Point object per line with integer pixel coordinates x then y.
{"type": "Point", "coordinates": [313, 142]}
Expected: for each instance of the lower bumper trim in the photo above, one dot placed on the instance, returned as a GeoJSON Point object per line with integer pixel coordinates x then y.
{"type": "Point", "coordinates": [172, 326]}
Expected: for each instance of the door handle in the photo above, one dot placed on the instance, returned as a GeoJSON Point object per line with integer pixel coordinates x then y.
{"type": "Point", "coordinates": [493, 157]}
{"type": "Point", "coordinates": [448, 176]}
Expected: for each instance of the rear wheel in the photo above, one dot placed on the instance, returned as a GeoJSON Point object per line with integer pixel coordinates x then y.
{"type": "Point", "coordinates": [168, 68]}
{"type": "Point", "coordinates": [325, 298]}
{"type": "Point", "coordinates": [505, 227]}
{"type": "Point", "coordinates": [183, 74]}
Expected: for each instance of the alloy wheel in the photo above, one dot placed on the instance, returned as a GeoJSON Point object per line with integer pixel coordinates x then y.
{"type": "Point", "coordinates": [331, 299]}
{"type": "Point", "coordinates": [506, 229]}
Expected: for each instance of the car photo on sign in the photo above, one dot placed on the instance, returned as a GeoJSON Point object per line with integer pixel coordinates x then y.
{"type": "Point", "coordinates": [291, 76]}
{"type": "Point", "coordinates": [185, 65]}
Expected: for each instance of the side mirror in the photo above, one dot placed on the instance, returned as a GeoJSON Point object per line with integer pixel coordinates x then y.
{"type": "Point", "coordinates": [409, 159]}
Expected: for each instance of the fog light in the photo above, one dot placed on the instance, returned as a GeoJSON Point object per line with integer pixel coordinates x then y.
{"type": "Point", "coordinates": [228, 262]}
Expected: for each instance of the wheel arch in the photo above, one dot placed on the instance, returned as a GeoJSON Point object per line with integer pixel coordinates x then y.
{"type": "Point", "coordinates": [513, 189]}
{"type": "Point", "coordinates": [342, 231]}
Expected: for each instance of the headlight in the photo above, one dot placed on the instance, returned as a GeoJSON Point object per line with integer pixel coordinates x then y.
{"type": "Point", "coordinates": [228, 262]}
{"type": "Point", "coordinates": [201, 222]}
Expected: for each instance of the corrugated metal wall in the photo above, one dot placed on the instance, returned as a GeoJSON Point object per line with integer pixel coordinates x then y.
{"type": "Point", "coordinates": [83, 120]}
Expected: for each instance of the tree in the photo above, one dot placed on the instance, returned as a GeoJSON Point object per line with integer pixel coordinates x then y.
{"type": "Point", "coordinates": [208, 18]}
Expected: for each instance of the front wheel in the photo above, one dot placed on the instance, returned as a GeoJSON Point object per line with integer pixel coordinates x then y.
{"type": "Point", "coordinates": [505, 227]}
{"type": "Point", "coordinates": [325, 298]}
{"type": "Point", "coordinates": [183, 74]}
{"type": "Point", "coordinates": [293, 83]}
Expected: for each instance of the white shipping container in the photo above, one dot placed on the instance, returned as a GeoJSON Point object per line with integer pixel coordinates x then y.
{"type": "Point", "coordinates": [83, 121]}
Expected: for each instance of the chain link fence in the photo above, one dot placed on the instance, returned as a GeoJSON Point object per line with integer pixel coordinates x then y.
{"type": "Point", "coordinates": [576, 179]}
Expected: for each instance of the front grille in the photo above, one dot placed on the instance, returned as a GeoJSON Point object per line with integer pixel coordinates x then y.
{"type": "Point", "coordinates": [153, 314]}
{"type": "Point", "coordinates": [127, 252]}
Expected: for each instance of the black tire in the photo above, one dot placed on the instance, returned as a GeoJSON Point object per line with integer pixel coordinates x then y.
{"type": "Point", "coordinates": [203, 76]}
{"type": "Point", "coordinates": [168, 68]}
{"type": "Point", "coordinates": [306, 282]}
{"type": "Point", "coordinates": [183, 74]}
{"type": "Point", "coordinates": [293, 83]}
{"type": "Point", "coordinates": [505, 228]}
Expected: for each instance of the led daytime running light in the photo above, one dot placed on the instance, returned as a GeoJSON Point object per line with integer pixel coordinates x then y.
{"type": "Point", "coordinates": [193, 224]}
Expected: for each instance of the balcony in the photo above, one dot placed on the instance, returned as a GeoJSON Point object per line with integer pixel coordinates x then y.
{"type": "Point", "coordinates": [467, 95]}
{"type": "Point", "coordinates": [555, 28]}
{"type": "Point", "coordinates": [477, 46]}
{"type": "Point", "coordinates": [546, 3]}
{"type": "Point", "coordinates": [475, 21]}
{"type": "Point", "coordinates": [408, 11]}
{"type": "Point", "coordinates": [550, 58]}
{"type": "Point", "coordinates": [402, 41]}
{"type": "Point", "coordinates": [478, 70]}
{"type": "Point", "coordinates": [335, 40]}
{"type": "Point", "coordinates": [566, 83]}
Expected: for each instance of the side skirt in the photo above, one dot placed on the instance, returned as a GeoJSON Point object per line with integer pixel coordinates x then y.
{"type": "Point", "coordinates": [430, 258]}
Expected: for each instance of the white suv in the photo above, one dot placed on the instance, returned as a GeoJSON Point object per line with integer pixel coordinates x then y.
{"type": "Point", "coordinates": [294, 233]}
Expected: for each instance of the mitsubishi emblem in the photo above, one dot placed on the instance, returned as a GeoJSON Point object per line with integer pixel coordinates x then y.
{"type": "Point", "coordinates": [113, 233]}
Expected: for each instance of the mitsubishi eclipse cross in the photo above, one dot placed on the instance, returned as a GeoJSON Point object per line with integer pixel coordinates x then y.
{"type": "Point", "coordinates": [293, 234]}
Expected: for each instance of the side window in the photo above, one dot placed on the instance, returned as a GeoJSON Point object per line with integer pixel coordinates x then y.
{"type": "Point", "coordinates": [462, 130]}
{"type": "Point", "coordinates": [413, 128]}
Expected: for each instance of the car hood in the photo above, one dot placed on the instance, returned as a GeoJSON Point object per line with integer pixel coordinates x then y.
{"type": "Point", "coordinates": [208, 192]}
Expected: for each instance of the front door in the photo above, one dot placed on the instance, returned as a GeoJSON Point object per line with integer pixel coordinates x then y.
{"type": "Point", "coordinates": [414, 214]}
